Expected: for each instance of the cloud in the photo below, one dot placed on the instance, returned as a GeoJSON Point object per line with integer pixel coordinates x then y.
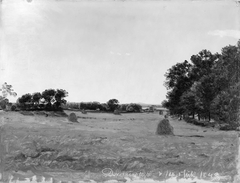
{"type": "Point", "coordinates": [225, 33]}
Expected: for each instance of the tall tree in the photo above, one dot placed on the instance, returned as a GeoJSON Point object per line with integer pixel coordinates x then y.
{"type": "Point", "coordinates": [49, 97]}
{"type": "Point", "coordinates": [226, 104]}
{"type": "Point", "coordinates": [36, 98]}
{"type": "Point", "coordinates": [189, 102]}
{"type": "Point", "coordinates": [205, 92]}
{"type": "Point", "coordinates": [177, 74]}
{"type": "Point", "coordinates": [25, 101]}
{"type": "Point", "coordinates": [6, 90]}
{"type": "Point", "coordinates": [60, 94]}
{"type": "Point", "coordinates": [228, 66]}
{"type": "Point", "coordinates": [177, 82]}
{"type": "Point", "coordinates": [203, 63]}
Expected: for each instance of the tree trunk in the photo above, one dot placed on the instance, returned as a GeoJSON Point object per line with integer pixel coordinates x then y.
{"type": "Point", "coordinates": [209, 116]}
{"type": "Point", "coordinates": [193, 116]}
{"type": "Point", "coordinates": [199, 117]}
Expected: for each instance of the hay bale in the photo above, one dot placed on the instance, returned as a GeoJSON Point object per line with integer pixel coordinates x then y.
{"type": "Point", "coordinates": [72, 117]}
{"type": "Point", "coordinates": [117, 112]}
{"type": "Point", "coordinates": [84, 112]}
{"type": "Point", "coordinates": [164, 128]}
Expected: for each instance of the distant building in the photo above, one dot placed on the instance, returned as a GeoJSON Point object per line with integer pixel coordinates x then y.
{"type": "Point", "coordinates": [147, 109]}
{"type": "Point", "coordinates": [161, 110]}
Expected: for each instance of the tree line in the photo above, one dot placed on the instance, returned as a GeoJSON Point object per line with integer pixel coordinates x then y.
{"type": "Point", "coordinates": [54, 100]}
{"type": "Point", "coordinates": [207, 86]}
{"type": "Point", "coordinates": [109, 106]}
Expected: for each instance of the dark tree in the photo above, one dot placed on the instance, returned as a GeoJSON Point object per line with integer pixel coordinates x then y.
{"type": "Point", "coordinates": [123, 107]}
{"type": "Point", "coordinates": [134, 108]}
{"type": "Point", "coordinates": [60, 94]}
{"type": "Point", "coordinates": [49, 97]}
{"type": "Point", "coordinates": [47, 100]}
{"type": "Point", "coordinates": [189, 103]}
{"type": "Point", "coordinates": [104, 107]}
{"type": "Point", "coordinates": [203, 63]}
{"type": "Point", "coordinates": [36, 99]}
{"type": "Point", "coordinates": [25, 102]}
{"type": "Point", "coordinates": [177, 82]}
{"type": "Point", "coordinates": [113, 104]}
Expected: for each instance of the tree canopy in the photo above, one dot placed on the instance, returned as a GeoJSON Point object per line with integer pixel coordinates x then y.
{"type": "Point", "coordinates": [49, 99]}
{"type": "Point", "coordinates": [207, 86]}
{"type": "Point", "coordinates": [6, 90]}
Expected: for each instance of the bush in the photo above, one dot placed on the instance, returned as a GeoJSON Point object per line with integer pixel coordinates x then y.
{"type": "Point", "coordinates": [196, 122]}
{"type": "Point", "coordinates": [132, 107]}
{"type": "Point", "coordinates": [13, 108]}
{"type": "Point", "coordinates": [189, 120]}
{"type": "Point", "coordinates": [225, 127]}
{"type": "Point", "coordinates": [3, 103]}
{"type": "Point", "coordinates": [228, 127]}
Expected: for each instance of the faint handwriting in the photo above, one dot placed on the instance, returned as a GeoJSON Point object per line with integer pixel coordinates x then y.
{"type": "Point", "coordinates": [108, 172]}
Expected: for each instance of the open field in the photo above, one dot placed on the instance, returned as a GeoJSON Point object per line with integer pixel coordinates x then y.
{"type": "Point", "coordinates": [102, 142]}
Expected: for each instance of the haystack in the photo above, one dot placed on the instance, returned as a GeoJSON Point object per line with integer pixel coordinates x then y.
{"type": "Point", "coordinates": [72, 117]}
{"type": "Point", "coordinates": [84, 112]}
{"type": "Point", "coordinates": [117, 112]}
{"type": "Point", "coordinates": [164, 127]}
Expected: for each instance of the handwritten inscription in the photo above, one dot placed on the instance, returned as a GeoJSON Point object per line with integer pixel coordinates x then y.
{"type": "Point", "coordinates": [108, 172]}
{"type": "Point", "coordinates": [190, 174]}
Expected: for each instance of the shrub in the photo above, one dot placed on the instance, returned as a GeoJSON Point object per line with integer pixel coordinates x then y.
{"type": "Point", "coordinates": [13, 108]}
{"type": "Point", "coordinates": [3, 103]}
{"type": "Point", "coordinates": [228, 127]}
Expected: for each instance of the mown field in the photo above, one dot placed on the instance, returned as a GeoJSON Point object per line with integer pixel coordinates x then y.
{"type": "Point", "coordinates": [104, 146]}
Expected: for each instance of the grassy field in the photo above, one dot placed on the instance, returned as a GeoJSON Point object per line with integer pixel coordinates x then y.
{"type": "Point", "coordinates": [108, 146]}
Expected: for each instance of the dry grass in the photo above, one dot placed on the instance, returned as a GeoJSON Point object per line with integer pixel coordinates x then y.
{"type": "Point", "coordinates": [124, 142]}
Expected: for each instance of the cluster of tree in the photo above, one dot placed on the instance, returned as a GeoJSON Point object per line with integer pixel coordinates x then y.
{"type": "Point", "coordinates": [94, 106]}
{"type": "Point", "coordinates": [110, 106]}
{"type": "Point", "coordinates": [132, 107]}
{"type": "Point", "coordinates": [50, 100]}
{"type": "Point", "coordinates": [207, 87]}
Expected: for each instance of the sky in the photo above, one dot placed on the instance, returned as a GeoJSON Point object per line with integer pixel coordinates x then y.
{"type": "Point", "coordinates": [99, 50]}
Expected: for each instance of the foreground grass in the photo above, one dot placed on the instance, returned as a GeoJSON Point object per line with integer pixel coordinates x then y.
{"type": "Point", "coordinates": [125, 143]}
